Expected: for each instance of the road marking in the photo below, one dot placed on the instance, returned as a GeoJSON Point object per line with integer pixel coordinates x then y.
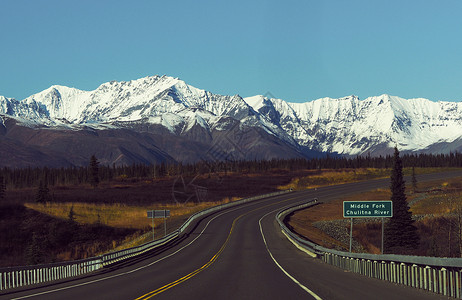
{"type": "Point", "coordinates": [298, 246]}
{"type": "Point", "coordinates": [194, 273]}
{"type": "Point", "coordinates": [128, 272]}
{"type": "Point", "coordinates": [150, 264]}
{"type": "Point", "coordinates": [209, 263]}
{"type": "Point", "coordinates": [280, 267]}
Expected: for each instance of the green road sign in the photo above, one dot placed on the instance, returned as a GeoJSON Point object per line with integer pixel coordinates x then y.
{"type": "Point", "coordinates": [367, 209]}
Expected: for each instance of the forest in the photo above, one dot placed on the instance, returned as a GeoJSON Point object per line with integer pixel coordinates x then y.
{"type": "Point", "coordinates": [31, 177]}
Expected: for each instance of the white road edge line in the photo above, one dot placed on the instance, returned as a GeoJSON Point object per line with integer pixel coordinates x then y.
{"type": "Point", "coordinates": [128, 272]}
{"type": "Point", "coordinates": [297, 245]}
{"type": "Point", "coordinates": [280, 267]}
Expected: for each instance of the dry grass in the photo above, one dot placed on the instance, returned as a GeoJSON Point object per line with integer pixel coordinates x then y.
{"type": "Point", "coordinates": [319, 178]}
{"type": "Point", "coordinates": [438, 204]}
{"type": "Point", "coordinates": [375, 195]}
{"type": "Point", "coordinates": [123, 216]}
{"type": "Point", "coordinates": [332, 177]}
{"type": "Point", "coordinates": [302, 222]}
{"type": "Point", "coordinates": [440, 199]}
{"type": "Point", "coordinates": [119, 215]}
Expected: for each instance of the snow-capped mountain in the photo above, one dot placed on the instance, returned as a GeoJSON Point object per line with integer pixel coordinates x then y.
{"type": "Point", "coordinates": [352, 126]}
{"type": "Point", "coordinates": [158, 100]}
{"type": "Point", "coordinates": [166, 107]}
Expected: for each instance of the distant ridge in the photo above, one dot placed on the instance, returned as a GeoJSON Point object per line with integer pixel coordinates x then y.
{"type": "Point", "coordinates": [168, 119]}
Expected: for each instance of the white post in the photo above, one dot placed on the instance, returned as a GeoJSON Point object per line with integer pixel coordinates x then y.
{"type": "Point", "coordinates": [351, 232]}
{"type": "Point", "coordinates": [457, 278]}
{"type": "Point", "coordinates": [382, 236]}
{"type": "Point", "coordinates": [165, 222]}
{"type": "Point", "coordinates": [445, 290]}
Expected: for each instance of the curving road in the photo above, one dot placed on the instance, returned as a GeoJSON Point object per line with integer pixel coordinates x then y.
{"type": "Point", "coordinates": [239, 253]}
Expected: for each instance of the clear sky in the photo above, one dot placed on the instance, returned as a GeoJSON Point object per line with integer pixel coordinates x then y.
{"type": "Point", "coordinates": [296, 50]}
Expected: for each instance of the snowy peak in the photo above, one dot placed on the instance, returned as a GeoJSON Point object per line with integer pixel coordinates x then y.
{"type": "Point", "coordinates": [346, 125]}
{"type": "Point", "coordinates": [352, 126]}
{"type": "Point", "coordinates": [56, 102]}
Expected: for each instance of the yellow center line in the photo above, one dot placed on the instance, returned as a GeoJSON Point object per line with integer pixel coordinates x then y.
{"type": "Point", "coordinates": [210, 262]}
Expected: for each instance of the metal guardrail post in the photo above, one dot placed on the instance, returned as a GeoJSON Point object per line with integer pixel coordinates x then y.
{"type": "Point", "coordinates": [366, 267]}
{"type": "Point", "coordinates": [412, 275]}
{"type": "Point", "coordinates": [421, 279]}
{"type": "Point", "coordinates": [383, 270]}
{"type": "Point", "coordinates": [392, 272]}
{"type": "Point", "coordinates": [362, 263]}
{"type": "Point", "coordinates": [457, 285]}
{"type": "Point", "coordinates": [405, 274]}
{"type": "Point", "coordinates": [429, 278]}
{"type": "Point", "coordinates": [376, 269]}
{"type": "Point", "coordinates": [399, 275]}
{"type": "Point", "coordinates": [445, 287]}
{"type": "Point", "coordinates": [369, 268]}
{"type": "Point", "coordinates": [440, 281]}
{"type": "Point", "coordinates": [425, 278]}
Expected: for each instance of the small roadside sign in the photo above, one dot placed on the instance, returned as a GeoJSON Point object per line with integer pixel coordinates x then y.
{"type": "Point", "coordinates": [155, 214]}
{"type": "Point", "coordinates": [164, 213]}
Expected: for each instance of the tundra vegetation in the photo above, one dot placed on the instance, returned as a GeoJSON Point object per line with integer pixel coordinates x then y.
{"type": "Point", "coordinates": [436, 210]}
{"type": "Point", "coordinates": [49, 215]}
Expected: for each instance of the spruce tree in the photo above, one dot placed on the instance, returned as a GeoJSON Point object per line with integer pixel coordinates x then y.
{"type": "Point", "coordinates": [413, 181]}
{"type": "Point", "coordinates": [94, 171]}
{"type": "Point", "coordinates": [400, 232]}
{"type": "Point", "coordinates": [2, 188]}
{"type": "Point", "coordinates": [42, 195]}
{"type": "Point", "coordinates": [71, 215]}
{"type": "Point", "coordinates": [34, 251]}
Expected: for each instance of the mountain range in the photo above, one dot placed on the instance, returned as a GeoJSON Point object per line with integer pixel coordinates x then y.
{"type": "Point", "coordinates": [161, 119]}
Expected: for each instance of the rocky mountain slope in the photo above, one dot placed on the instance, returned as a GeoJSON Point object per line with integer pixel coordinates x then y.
{"type": "Point", "coordinates": [161, 118]}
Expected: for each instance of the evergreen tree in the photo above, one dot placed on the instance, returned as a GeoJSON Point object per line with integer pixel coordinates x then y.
{"type": "Point", "coordinates": [413, 181]}
{"type": "Point", "coordinates": [2, 188]}
{"type": "Point", "coordinates": [400, 232]}
{"type": "Point", "coordinates": [71, 215]}
{"type": "Point", "coordinates": [42, 195]}
{"type": "Point", "coordinates": [94, 171]}
{"type": "Point", "coordinates": [35, 252]}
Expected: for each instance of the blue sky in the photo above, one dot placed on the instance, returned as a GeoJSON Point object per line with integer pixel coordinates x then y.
{"type": "Point", "coordinates": [296, 50]}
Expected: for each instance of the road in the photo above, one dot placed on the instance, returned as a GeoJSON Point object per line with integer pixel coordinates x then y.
{"type": "Point", "coordinates": [239, 253]}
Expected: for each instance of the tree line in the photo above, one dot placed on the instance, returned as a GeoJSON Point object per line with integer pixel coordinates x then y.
{"type": "Point", "coordinates": [73, 175]}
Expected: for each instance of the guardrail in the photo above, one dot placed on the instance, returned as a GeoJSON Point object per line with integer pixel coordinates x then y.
{"type": "Point", "coordinates": [434, 274]}
{"type": "Point", "coordinates": [14, 277]}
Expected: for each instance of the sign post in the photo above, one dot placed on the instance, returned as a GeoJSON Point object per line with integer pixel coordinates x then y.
{"type": "Point", "coordinates": [367, 209]}
{"type": "Point", "coordinates": [154, 214]}
{"type": "Point", "coordinates": [351, 232]}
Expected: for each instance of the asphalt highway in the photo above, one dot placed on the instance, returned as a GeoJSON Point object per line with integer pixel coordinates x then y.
{"type": "Point", "coordinates": [238, 253]}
